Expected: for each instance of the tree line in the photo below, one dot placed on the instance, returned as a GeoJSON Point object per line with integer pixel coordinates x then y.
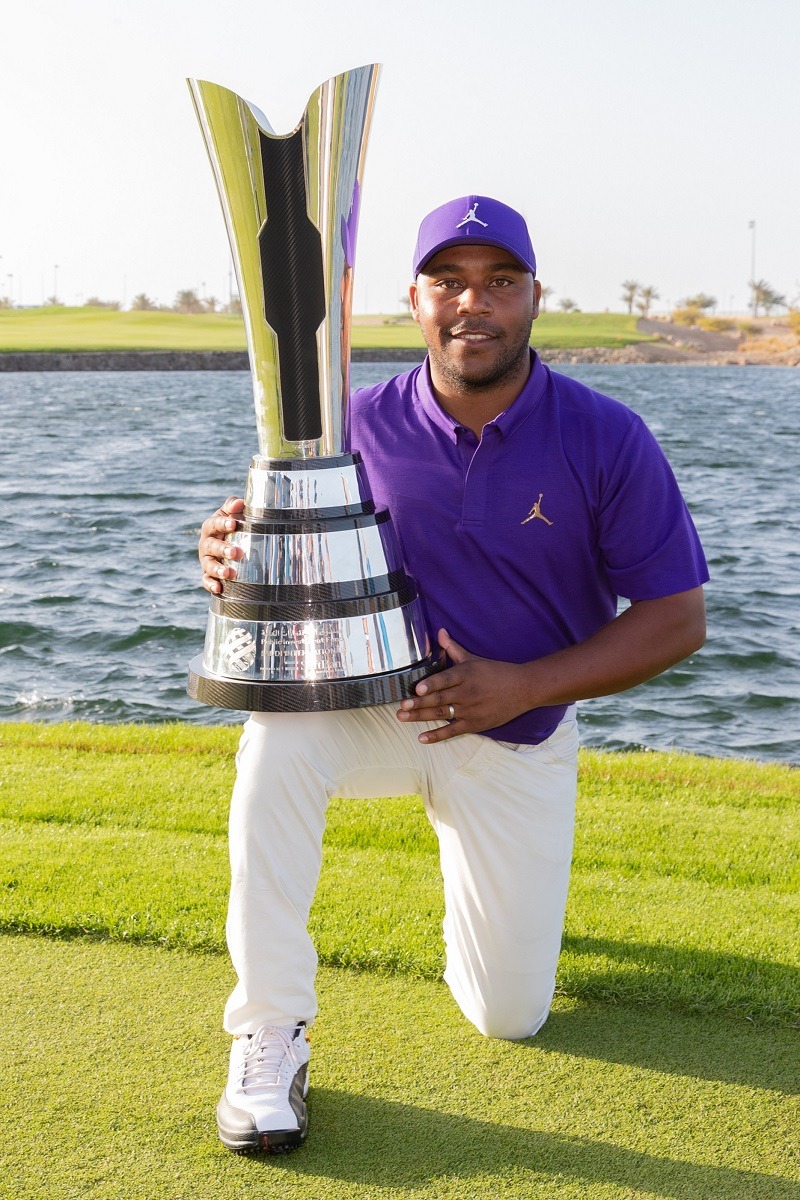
{"type": "Point", "coordinates": [187, 300]}
{"type": "Point", "coordinates": [763, 298]}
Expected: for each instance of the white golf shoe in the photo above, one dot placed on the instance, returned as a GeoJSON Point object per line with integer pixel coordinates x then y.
{"type": "Point", "coordinates": [263, 1106]}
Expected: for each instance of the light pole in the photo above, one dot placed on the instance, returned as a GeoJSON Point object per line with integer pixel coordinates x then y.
{"type": "Point", "coordinates": [752, 228]}
{"type": "Point", "coordinates": [55, 283]}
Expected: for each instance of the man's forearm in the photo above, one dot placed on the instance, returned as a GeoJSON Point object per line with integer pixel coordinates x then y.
{"type": "Point", "coordinates": [475, 693]}
{"type": "Point", "coordinates": [648, 638]}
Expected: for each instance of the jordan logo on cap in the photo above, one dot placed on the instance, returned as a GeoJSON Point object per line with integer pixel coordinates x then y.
{"type": "Point", "coordinates": [470, 217]}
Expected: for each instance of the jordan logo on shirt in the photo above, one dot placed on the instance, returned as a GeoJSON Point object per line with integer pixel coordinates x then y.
{"type": "Point", "coordinates": [536, 511]}
{"type": "Point", "coordinates": [470, 217]}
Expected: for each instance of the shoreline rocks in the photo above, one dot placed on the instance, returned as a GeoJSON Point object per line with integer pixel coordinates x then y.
{"type": "Point", "coordinates": [125, 360]}
{"type": "Point", "coordinates": [237, 360]}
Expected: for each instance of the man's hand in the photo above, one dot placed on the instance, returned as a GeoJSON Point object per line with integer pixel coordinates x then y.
{"type": "Point", "coordinates": [472, 695]}
{"type": "Point", "coordinates": [216, 555]}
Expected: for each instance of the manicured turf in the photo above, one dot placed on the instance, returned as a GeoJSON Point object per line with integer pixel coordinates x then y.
{"type": "Point", "coordinates": [64, 329]}
{"type": "Point", "coordinates": [552, 331]}
{"type": "Point", "coordinates": [114, 1061]}
{"type": "Point", "coordinates": [55, 328]}
{"type": "Point", "coordinates": [682, 921]}
{"type": "Point", "coordinates": [684, 889]}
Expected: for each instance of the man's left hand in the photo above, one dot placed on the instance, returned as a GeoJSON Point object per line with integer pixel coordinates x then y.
{"type": "Point", "coordinates": [473, 695]}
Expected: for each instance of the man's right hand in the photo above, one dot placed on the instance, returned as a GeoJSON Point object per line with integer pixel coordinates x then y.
{"type": "Point", "coordinates": [217, 556]}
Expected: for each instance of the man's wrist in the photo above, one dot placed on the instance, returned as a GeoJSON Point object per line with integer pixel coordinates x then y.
{"type": "Point", "coordinates": [537, 684]}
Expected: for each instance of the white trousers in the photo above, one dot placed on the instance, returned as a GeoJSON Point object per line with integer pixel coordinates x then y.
{"type": "Point", "coordinates": [504, 818]}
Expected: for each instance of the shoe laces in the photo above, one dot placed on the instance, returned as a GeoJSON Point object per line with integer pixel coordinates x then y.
{"type": "Point", "coordinates": [268, 1055]}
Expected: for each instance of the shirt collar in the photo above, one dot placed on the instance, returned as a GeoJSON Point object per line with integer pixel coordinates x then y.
{"type": "Point", "coordinates": [507, 422]}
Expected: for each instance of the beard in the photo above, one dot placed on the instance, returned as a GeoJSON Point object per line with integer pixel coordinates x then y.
{"type": "Point", "coordinates": [509, 362]}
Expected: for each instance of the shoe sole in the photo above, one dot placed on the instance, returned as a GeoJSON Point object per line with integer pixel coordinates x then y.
{"type": "Point", "coordinates": [276, 1141]}
{"type": "Point", "coordinates": [271, 1141]}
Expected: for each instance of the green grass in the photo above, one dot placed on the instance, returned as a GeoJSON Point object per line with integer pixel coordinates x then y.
{"type": "Point", "coordinates": [71, 329]}
{"type": "Point", "coordinates": [683, 891]}
{"type": "Point", "coordinates": [113, 1063]}
{"type": "Point", "coordinates": [55, 328]}
{"type": "Point", "coordinates": [552, 331]}
{"type": "Point", "coordinates": [667, 1069]}
{"type": "Point", "coordinates": [573, 331]}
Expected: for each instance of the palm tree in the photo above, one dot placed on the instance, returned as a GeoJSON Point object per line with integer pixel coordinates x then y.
{"type": "Point", "coordinates": [629, 289]}
{"type": "Point", "coordinates": [546, 294]}
{"type": "Point", "coordinates": [646, 297]}
{"type": "Point", "coordinates": [765, 296]}
{"type": "Point", "coordinates": [188, 301]}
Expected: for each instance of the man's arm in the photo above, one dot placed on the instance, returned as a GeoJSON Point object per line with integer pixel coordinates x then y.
{"type": "Point", "coordinates": [640, 643]}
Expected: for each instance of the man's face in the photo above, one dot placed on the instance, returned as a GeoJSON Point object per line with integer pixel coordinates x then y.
{"type": "Point", "coordinates": [475, 305]}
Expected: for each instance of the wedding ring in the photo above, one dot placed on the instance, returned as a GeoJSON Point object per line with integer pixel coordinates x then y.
{"type": "Point", "coordinates": [452, 713]}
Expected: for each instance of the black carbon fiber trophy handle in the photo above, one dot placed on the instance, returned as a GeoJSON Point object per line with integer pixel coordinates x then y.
{"type": "Point", "coordinates": [294, 283]}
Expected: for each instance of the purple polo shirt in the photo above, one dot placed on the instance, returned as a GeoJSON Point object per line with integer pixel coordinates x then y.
{"type": "Point", "coordinates": [512, 576]}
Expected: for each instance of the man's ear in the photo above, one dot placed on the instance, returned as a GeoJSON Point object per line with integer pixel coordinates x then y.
{"type": "Point", "coordinates": [412, 292]}
{"type": "Point", "coordinates": [537, 297]}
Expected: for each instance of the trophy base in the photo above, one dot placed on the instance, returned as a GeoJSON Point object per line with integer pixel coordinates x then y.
{"type": "Point", "coordinates": [322, 614]}
{"type": "Point", "coordinates": [306, 695]}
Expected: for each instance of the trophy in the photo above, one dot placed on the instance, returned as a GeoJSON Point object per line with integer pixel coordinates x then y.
{"type": "Point", "coordinates": [322, 613]}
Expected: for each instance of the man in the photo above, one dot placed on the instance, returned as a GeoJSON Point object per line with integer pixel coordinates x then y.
{"type": "Point", "coordinates": [526, 504]}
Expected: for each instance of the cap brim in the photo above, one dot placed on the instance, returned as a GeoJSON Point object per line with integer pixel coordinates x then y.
{"type": "Point", "coordinates": [476, 240]}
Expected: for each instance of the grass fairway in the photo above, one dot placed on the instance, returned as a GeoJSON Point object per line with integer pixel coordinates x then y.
{"type": "Point", "coordinates": [115, 1064]}
{"type": "Point", "coordinates": [648, 1081]}
{"type": "Point", "coordinates": [56, 328]}
{"type": "Point", "coordinates": [65, 329]}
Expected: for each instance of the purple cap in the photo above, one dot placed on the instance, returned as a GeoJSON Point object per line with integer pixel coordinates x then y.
{"type": "Point", "coordinates": [476, 219]}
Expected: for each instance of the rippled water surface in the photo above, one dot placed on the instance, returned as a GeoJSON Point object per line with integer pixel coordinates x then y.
{"type": "Point", "coordinates": [106, 478]}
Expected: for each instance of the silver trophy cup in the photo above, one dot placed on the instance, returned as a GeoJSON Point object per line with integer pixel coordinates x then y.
{"type": "Point", "coordinates": [322, 613]}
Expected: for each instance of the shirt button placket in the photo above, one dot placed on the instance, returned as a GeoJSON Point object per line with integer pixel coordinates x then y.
{"type": "Point", "coordinates": [476, 482]}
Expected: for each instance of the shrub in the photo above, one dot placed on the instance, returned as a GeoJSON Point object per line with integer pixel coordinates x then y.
{"type": "Point", "coordinates": [715, 324]}
{"type": "Point", "coordinates": [689, 315]}
{"type": "Point", "coordinates": [749, 327]}
{"type": "Point", "coordinates": [763, 345]}
{"type": "Point", "coordinates": [701, 300]}
{"type": "Point", "coordinates": [142, 303]}
{"type": "Point", "coordinates": [794, 321]}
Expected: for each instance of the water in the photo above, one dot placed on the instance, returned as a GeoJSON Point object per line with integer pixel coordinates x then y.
{"type": "Point", "coordinates": [106, 478]}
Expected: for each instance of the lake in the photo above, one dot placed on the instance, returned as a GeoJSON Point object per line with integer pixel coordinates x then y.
{"type": "Point", "coordinates": [106, 478]}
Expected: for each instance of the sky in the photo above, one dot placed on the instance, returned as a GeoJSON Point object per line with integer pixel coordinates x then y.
{"type": "Point", "coordinates": [638, 139]}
